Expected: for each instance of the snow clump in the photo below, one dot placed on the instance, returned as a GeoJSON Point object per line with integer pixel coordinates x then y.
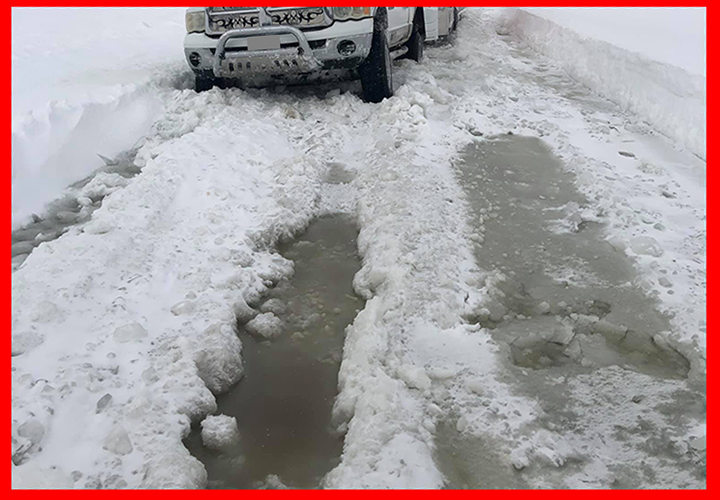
{"type": "Point", "coordinates": [265, 325]}
{"type": "Point", "coordinates": [219, 432]}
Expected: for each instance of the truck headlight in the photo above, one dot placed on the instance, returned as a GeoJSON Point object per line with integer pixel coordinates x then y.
{"type": "Point", "coordinates": [345, 13]}
{"type": "Point", "coordinates": [195, 22]}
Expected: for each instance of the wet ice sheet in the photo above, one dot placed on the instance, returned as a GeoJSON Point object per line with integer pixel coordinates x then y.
{"type": "Point", "coordinates": [577, 335]}
{"type": "Point", "coordinates": [548, 247]}
{"type": "Point", "coordinates": [283, 405]}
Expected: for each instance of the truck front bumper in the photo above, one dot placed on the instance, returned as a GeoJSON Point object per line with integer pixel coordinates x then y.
{"type": "Point", "coordinates": [301, 54]}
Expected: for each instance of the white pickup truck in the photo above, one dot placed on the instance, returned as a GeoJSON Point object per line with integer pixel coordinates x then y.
{"type": "Point", "coordinates": [256, 46]}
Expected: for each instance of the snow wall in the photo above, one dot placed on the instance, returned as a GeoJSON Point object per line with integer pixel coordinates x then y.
{"type": "Point", "coordinates": [85, 82]}
{"type": "Point", "coordinates": [650, 61]}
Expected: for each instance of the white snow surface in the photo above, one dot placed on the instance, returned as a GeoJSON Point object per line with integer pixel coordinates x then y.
{"type": "Point", "coordinates": [124, 328]}
{"type": "Point", "coordinates": [83, 83]}
{"type": "Point", "coordinates": [650, 61]}
{"type": "Point", "coordinates": [671, 35]}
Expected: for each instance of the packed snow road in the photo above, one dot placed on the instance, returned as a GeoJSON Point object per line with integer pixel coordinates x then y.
{"type": "Point", "coordinates": [533, 278]}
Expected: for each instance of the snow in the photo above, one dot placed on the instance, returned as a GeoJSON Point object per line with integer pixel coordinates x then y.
{"type": "Point", "coordinates": [219, 432]}
{"type": "Point", "coordinates": [124, 328]}
{"type": "Point", "coordinates": [671, 35]}
{"type": "Point", "coordinates": [265, 325]}
{"type": "Point", "coordinates": [650, 61]}
{"type": "Point", "coordinates": [87, 86]}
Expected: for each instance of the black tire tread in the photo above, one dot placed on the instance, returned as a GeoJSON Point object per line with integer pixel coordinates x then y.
{"type": "Point", "coordinates": [416, 45]}
{"type": "Point", "coordinates": [203, 83]}
{"type": "Point", "coordinates": [373, 71]}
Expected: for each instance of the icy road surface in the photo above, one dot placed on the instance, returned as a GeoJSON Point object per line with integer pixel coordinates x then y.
{"type": "Point", "coordinates": [533, 270]}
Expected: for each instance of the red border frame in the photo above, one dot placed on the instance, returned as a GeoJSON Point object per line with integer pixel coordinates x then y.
{"type": "Point", "coordinates": [711, 210]}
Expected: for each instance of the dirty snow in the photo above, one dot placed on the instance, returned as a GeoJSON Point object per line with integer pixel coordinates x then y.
{"type": "Point", "coordinates": [124, 328]}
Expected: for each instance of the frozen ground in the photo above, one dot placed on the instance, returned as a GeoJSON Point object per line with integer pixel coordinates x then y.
{"type": "Point", "coordinates": [464, 368]}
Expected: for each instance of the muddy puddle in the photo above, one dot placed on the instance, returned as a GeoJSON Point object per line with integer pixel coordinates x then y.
{"type": "Point", "coordinates": [573, 327]}
{"type": "Point", "coordinates": [283, 405]}
{"type": "Point", "coordinates": [74, 208]}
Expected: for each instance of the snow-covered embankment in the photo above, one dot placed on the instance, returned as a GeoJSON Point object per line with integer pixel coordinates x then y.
{"type": "Point", "coordinates": [649, 61]}
{"type": "Point", "coordinates": [87, 86]}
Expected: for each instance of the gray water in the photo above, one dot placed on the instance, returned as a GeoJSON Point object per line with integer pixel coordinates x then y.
{"type": "Point", "coordinates": [569, 306]}
{"type": "Point", "coordinates": [561, 271]}
{"type": "Point", "coordinates": [283, 405]}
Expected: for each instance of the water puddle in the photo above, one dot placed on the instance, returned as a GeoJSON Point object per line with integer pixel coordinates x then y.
{"type": "Point", "coordinates": [471, 462]}
{"type": "Point", "coordinates": [576, 333]}
{"type": "Point", "coordinates": [566, 295]}
{"type": "Point", "coordinates": [76, 207]}
{"type": "Point", "coordinates": [283, 405]}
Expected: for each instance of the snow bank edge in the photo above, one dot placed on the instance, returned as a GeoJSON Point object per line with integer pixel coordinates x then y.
{"type": "Point", "coordinates": [669, 98]}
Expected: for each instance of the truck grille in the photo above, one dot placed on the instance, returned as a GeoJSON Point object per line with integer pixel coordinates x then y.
{"type": "Point", "coordinates": [222, 19]}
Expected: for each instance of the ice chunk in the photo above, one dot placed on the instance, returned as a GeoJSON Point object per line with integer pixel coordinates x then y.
{"type": "Point", "coordinates": [699, 444]}
{"type": "Point", "coordinates": [442, 372]}
{"type": "Point", "coordinates": [219, 361]}
{"type": "Point", "coordinates": [131, 332]}
{"type": "Point", "coordinates": [475, 385]}
{"type": "Point", "coordinates": [98, 227]}
{"type": "Point", "coordinates": [184, 307]}
{"type": "Point", "coordinates": [273, 482]}
{"type": "Point", "coordinates": [220, 432]}
{"type": "Point", "coordinates": [613, 332]}
{"type": "Point", "coordinates": [617, 243]}
{"type": "Point", "coordinates": [646, 245]}
{"type": "Point", "coordinates": [265, 325]}
{"type": "Point", "coordinates": [24, 247]}
{"type": "Point", "coordinates": [544, 308]}
{"type": "Point", "coordinates": [103, 402]}
{"type": "Point", "coordinates": [243, 312]}
{"type": "Point", "coordinates": [23, 342]}
{"type": "Point", "coordinates": [558, 334]}
{"type": "Point", "coordinates": [33, 431]}
{"type": "Point", "coordinates": [519, 459]}
{"type": "Point", "coordinates": [414, 376]}
{"type": "Point", "coordinates": [103, 184]}
{"type": "Point", "coordinates": [67, 217]}
{"type": "Point", "coordinates": [429, 425]}
{"type": "Point", "coordinates": [118, 441]}
{"type": "Point", "coordinates": [663, 281]}
{"type": "Point", "coordinates": [174, 470]}
{"type": "Point", "coordinates": [274, 306]}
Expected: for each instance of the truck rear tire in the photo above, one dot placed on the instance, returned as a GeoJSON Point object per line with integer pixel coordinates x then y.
{"type": "Point", "coordinates": [376, 70]}
{"type": "Point", "coordinates": [416, 44]}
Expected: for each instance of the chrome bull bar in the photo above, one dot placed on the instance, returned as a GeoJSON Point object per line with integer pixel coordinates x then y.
{"type": "Point", "coordinates": [288, 60]}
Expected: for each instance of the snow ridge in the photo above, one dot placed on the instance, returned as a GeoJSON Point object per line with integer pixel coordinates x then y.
{"type": "Point", "coordinates": [671, 99]}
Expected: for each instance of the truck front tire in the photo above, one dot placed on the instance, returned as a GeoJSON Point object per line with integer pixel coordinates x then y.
{"type": "Point", "coordinates": [376, 70]}
{"type": "Point", "coordinates": [203, 83]}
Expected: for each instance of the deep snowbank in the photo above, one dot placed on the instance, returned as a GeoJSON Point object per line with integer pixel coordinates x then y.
{"type": "Point", "coordinates": [656, 73]}
{"type": "Point", "coordinates": [83, 83]}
